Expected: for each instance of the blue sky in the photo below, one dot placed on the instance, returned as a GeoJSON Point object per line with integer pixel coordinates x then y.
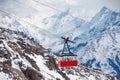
{"type": "Point", "coordinates": [84, 9]}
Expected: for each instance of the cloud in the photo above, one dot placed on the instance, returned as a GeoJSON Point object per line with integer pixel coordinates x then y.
{"type": "Point", "coordinates": [71, 2]}
{"type": "Point", "coordinates": [81, 8]}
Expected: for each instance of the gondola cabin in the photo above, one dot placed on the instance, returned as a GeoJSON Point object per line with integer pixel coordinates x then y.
{"type": "Point", "coordinates": [67, 58]}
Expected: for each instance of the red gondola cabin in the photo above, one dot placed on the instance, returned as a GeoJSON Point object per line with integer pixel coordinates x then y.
{"type": "Point", "coordinates": [67, 58]}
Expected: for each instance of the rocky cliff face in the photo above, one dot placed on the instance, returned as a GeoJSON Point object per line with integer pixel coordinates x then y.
{"type": "Point", "coordinates": [14, 50]}
{"type": "Point", "coordinates": [18, 54]}
{"type": "Point", "coordinates": [21, 58]}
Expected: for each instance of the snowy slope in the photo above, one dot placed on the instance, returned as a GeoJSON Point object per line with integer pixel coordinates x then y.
{"type": "Point", "coordinates": [22, 58]}
{"type": "Point", "coordinates": [24, 54]}
{"type": "Point", "coordinates": [63, 24]}
{"type": "Point", "coordinates": [96, 42]}
{"type": "Point", "coordinates": [4, 76]}
{"type": "Point", "coordinates": [100, 48]}
{"type": "Point", "coordinates": [50, 29]}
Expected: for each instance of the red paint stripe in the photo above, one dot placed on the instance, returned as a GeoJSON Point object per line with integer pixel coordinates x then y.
{"type": "Point", "coordinates": [68, 63]}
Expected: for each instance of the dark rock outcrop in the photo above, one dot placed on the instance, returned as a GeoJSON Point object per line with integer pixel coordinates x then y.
{"type": "Point", "coordinates": [32, 74]}
{"type": "Point", "coordinates": [32, 62]}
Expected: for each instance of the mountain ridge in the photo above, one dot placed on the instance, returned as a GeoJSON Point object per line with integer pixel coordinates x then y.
{"type": "Point", "coordinates": [101, 39]}
{"type": "Point", "coordinates": [100, 35]}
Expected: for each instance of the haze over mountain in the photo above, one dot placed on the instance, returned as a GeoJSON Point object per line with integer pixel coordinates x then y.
{"type": "Point", "coordinates": [97, 39]}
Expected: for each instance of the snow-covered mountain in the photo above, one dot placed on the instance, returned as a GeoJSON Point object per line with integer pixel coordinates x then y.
{"type": "Point", "coordinates": [100, 47]}
{"type": "Point", "coordinates": [97, 43]}
{"type": "Point", "coordinates": [21, 58]}
{"type": "Point", "coordinates": [63, 24]}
